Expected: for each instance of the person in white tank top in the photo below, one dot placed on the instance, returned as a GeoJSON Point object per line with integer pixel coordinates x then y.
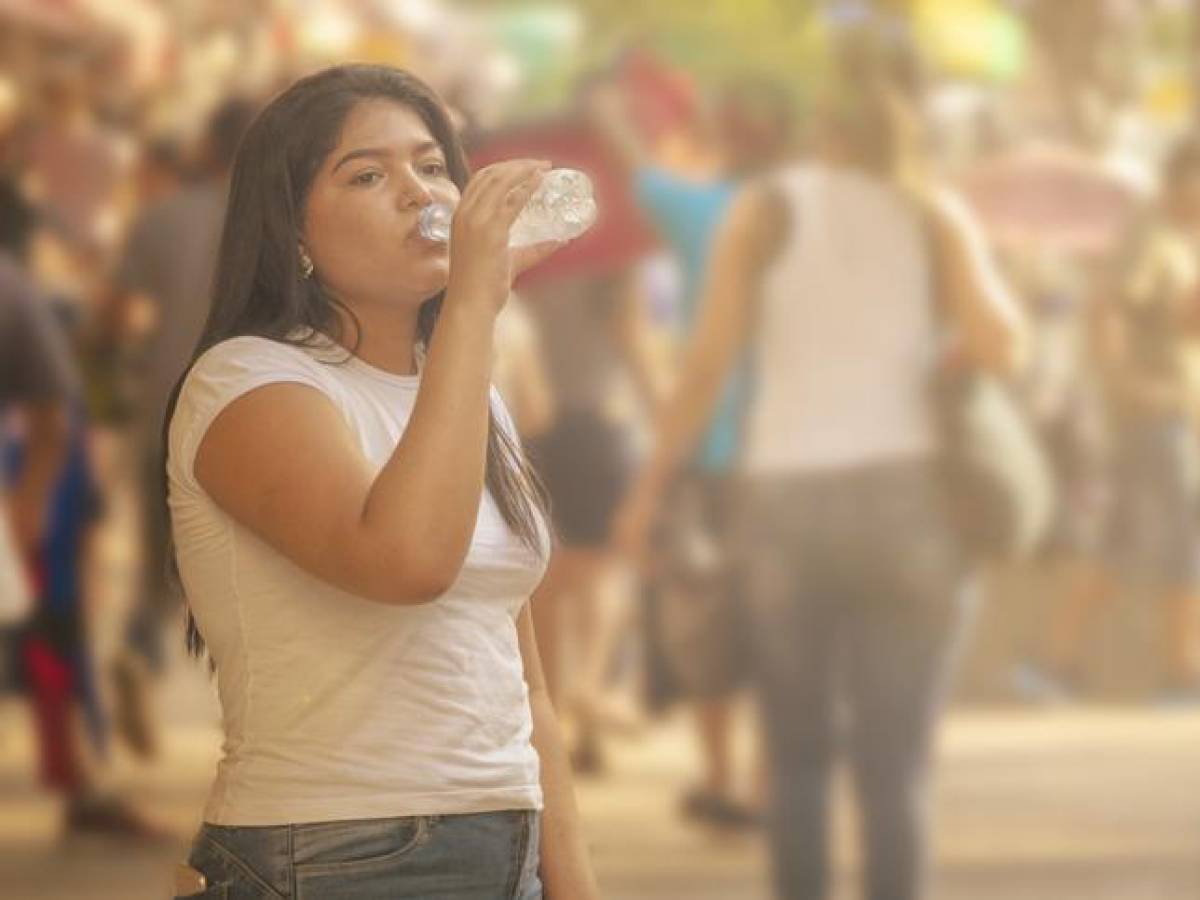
{"type": "Point", "coordinates": [356, 528]}
{"type": "Point", "coordinates": [854, 575]}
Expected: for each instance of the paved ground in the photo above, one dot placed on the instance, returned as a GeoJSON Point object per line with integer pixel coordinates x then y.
{"type": "Point", "coordinates": [1087, 804]}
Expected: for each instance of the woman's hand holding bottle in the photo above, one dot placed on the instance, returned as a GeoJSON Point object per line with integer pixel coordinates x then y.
{"type": "Point", "coordinates": [482, 265]}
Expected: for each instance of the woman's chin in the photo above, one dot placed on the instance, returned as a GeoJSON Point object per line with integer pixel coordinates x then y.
{"type": "Point", "coordinates": [426, 274]}
{"type": "Point", "coordinates": [431, 283]}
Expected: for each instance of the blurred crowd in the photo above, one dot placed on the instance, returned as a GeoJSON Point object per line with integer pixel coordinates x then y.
{"type": "Point", "coordinates": [1078, 171]}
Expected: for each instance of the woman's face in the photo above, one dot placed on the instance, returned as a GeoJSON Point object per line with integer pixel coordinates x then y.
{"type": "Point", "coordinates": [360, 223]}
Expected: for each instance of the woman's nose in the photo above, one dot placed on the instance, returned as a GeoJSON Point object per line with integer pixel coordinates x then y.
{"type": "Point", "coordinates": [413, 191]}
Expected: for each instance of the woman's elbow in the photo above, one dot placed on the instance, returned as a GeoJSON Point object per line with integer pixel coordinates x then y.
{"type": "Point", "coordinates": [405, 581]}
{"type": "Point", "coordinates": [1010, 355]}
{"type": "Point", "coordinates": [1004, 348]}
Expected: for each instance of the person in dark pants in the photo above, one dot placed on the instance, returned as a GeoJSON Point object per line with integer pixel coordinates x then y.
{"type": "Point", "coordinates": [697, 604]}
{"type": "Point", "coordinates": [166, 266]}
{"type": "Point", "coordinates": [51, 508]}
{"type": "Point", "coordinates": [856, 579]}
{"type": "Point", "coordinates": [1149, 536]}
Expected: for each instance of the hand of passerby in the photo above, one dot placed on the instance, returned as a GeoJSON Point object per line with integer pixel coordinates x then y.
{"type": "Point", "coordinates": [606, 110]}
{"type": "Point", "coordinates": [635, 520]}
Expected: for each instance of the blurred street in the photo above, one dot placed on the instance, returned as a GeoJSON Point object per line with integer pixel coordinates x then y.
{"type": "Point", "coordinates": [1089, 804]}
{"type": "Point", "coordinates": [850, 302]}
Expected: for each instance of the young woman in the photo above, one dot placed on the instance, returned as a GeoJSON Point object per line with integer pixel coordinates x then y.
{"type": "Point", "coordinates": [825, 271]}
{"type": "Point", "coordinates": [356, 530]}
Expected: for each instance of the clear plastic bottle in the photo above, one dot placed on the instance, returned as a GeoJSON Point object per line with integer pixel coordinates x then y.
{"type": "Point", "coordinates": [561, 209]}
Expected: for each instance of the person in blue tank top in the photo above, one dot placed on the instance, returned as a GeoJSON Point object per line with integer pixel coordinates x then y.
{"type": "Point", "coordinates": [693, 592]}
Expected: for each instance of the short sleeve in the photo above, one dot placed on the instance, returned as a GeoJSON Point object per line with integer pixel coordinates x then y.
{"type": "Point", "coordinates": [223, 374]}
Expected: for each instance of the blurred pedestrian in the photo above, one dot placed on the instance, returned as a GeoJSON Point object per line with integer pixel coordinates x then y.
{"type": "Point", "coordinates": [165, 272]}
{"type": "Point", "coordinates": [747, 131]}
{"type": "Point", "coordinates": [601, 366]}
{"type": "Point", "coordinates": [1149, 320]}
{"type": "Point", "coordinates": [519, 370]}
{"type": "Point", "coordinates": [855, 577]}
{"type": "Point", "coordinates": [52, 510]}
{"type": "Point", "coordinates": [77, 167]}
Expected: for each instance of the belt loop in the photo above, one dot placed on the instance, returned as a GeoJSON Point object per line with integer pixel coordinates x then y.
{"type": "Point", "coordinates": [291, 859]}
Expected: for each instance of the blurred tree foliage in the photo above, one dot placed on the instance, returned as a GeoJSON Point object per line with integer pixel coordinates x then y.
{"type": "Point", "coordinates": [783, 41]}
{"type": "Point", "coordinates": [713, 39]}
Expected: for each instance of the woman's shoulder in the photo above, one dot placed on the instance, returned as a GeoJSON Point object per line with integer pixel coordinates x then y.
{"type": "Point", "coordinates": [254, 355]}
{"type": "Point", "coordinates": [238, 364]}
{"type": "Point", "coordinates": [251, 350]}
{"type": "Point", "coordinates": [235, 367]}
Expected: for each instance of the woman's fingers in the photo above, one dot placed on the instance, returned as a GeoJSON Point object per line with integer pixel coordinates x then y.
{"type": "Point", "coordinates": [508, 194]}
{"type": "Point", "coordinates": [516, 199]}
{"type": "Point", "coordinates": [498, 183]}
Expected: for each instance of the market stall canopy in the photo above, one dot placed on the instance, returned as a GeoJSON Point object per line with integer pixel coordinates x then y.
{"type": "Point", "coordinates": [1053, 196]}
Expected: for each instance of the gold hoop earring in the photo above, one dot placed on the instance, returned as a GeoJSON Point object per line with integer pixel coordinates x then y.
{"type": "Point", "coordinates": [306, 265]}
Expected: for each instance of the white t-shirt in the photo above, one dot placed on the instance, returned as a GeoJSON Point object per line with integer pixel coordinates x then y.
{"type": "Point", "coordinates": [336, 707]}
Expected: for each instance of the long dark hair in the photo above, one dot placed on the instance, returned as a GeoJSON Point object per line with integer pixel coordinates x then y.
{"type": "Point", "coordinates": [258, 288]}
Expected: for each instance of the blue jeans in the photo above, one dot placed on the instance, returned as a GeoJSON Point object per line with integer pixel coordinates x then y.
{"type": "Point", "coordinates": [856, 594]}
{"type": "Point", "coordinates": [483, 856]}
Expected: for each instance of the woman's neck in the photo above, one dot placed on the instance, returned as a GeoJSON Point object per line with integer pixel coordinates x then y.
{"type": "Point", "coordinates": [384, 338]}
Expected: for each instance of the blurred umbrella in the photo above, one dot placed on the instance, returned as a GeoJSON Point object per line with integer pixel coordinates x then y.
{"type": "Point", "coordinates": [1051, 196]}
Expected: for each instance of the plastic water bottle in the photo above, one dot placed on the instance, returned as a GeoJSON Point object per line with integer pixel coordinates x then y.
{"type": "Point", "coordinates": [561, 209]}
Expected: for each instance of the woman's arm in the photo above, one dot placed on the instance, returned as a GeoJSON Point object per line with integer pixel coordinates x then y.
{"type": "Point", "coordinates": [606, 109]}
{"type": "Point", "coordinates": [992, 325]}
{"type": "Point", "coordinates": [566, 870]}
{"type": "Point", "coordinates": [743, 249]}
{"type": "Point", "coordinates": [632, 335]}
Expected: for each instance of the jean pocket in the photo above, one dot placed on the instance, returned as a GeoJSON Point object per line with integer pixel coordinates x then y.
{"type": "Point", "coordinates": [333, 847]}
{"type": "Point", "coordinates": [225, 870]}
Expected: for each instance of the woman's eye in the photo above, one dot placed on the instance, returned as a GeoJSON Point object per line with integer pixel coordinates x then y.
{"type": "Point", "coordinates": [434, 167]}
{"type": "Point", "coordinates": [366, 178]}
